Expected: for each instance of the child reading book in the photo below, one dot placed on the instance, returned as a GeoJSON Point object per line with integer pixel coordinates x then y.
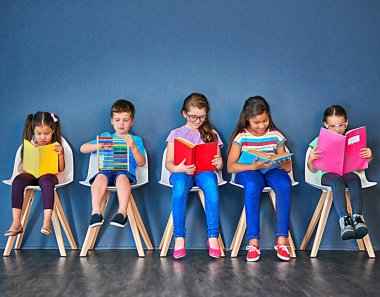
{"type": "Point", "coordinates": [197, 130]}
{"type": "Point", "coordinates": [122, 117]}
{"type": "Point", "coordinates": [335, 119]}
{"type": "Point", "coordinates": [256, 131]}
{"type": "Point", "coordinates": [41, 129]}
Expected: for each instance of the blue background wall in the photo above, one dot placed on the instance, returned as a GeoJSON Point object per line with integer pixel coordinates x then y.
{"type": "Point", "coordinates": [74, 58]}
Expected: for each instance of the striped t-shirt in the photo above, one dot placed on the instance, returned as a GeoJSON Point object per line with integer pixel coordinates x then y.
{"type": "Point", "coordinates": [267, 143]}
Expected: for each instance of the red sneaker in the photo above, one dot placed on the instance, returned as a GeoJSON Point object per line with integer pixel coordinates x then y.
{"type": "Point", "coordinates": [282, 251]}
{"type": "Point", "coordinates": [253, 253]}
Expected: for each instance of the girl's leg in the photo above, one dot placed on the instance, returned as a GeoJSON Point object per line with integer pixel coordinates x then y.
{"type": "Point", "coordinates": [353, 183]}
{"type": "Point", "coordinates": [182, 184]}
{"type": "Point", "coordinates": [123, 187]}
{"type": "Point", "coordinates": [98, 189]}
{"type": "Point", "coordinates": [280, 182]}
{"type": "Point", "coordinates": [47, 183]}
{"type": "Point", "coordinates": [19, 184]}
{"type": "Point", "coordinates": [208, 183]}
{"type": "Point", "coordinates": [253, 182]}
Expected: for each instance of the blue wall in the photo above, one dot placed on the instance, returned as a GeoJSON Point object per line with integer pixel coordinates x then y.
{"type": "Point", "coordinates": [74, 58]}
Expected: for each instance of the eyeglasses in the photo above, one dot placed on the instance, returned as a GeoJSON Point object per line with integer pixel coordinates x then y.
{"type": "Point", "coordinates": [337, 126]}
{"type": "Point", "coordinates": [194, 118]}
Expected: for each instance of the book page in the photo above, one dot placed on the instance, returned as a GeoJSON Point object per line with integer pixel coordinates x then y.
{"type": "Point", "coordinates": [48, 159]}
{"type": "Point", "coordinates": [356, 139]}
{"type": "Point", "coordinates": [30, 159]}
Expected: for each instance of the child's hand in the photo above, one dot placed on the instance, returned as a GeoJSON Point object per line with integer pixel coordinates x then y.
{"type": "Point", "coordinates": [129, 140]}
{"type": "Point", "coordinates": [188, 169]}
{"type": "Point", "coordinates": [366, 153]}
{"type": "Point", "coordinates": [256, 165]}
{"type": "Point", "coordinates": [315, 153]}
{"type": "Point", "coordinates": [58, 148]}
{"type": "Point", "coordinates": [217, 161]}
{"type": "Point", "coordinates": [285, 165]}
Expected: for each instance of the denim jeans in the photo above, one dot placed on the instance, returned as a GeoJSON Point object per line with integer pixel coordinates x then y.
{"type": "Point", "coordinates": [182, 184]}
{"type": "Point", "coordinates": [338, 185]}
{"type": "Point", "coordinates": [254, 182]}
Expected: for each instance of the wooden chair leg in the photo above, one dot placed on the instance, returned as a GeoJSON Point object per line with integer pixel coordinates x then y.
{"type": "Point", "coordinates": [140, 224]}
{"type": "Point", "coordinates": [62, 218]}
{"type": "Point", "coordinates": [165, 232]}
{"type": "Point", "coordinates": [220, 241]}
{"type": "Point", "coordinates": [322, 224]}
{"type": "Point", "coordinates": [368, 246]}
{"type": "Point", "coordinates": [292, 247]}
{"type": "Point", "coordinates": [135, 231]}
{"type": "Point", "coordinates": [25, 212]}
{"type": "Point", "coordinates": [313, 222]}
{"type": "Point", "coordinates": [58, 235]}
{"type": "Point", "coordinates": [240, 230]}
{"type": "Point", "coordinates": [26, 207]}
{"type": "Point", "coordinates": [242, 217]}
{"type": "Point", "coordinates": [167, 237]}
{"type": "Point", "coordinates": [103, 208]}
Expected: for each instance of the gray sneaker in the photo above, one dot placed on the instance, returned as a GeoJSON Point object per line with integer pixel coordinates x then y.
{"type": "Point", "coordinates": [346, 229]}
{"type": "Point", "coordinates": [360, 227]}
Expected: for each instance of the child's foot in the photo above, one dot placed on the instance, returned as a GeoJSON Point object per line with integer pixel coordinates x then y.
{"type": "Point", "coordinates": [13, 231]}
{"type": "Point", "coordinates": [119, 220]}
{"type": "Point", "coordinates": [46, 230]}
{"type": "Point", "coordinates": [346, 229]}
{"type": "Point", "coordinates": [253, 254]}
{"type": "Point", "coordinates": [282, 251]}
{"type": "Point", "coordinates": [96, 220]}
{"type": "Point", "coordinates": [360, 227]}
{"type": "Point", "coordinates": [213, 248]}
{"type": "Point", "coordinates": [179, 248]}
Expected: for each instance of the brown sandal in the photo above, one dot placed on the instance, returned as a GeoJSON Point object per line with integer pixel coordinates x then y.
{"type": "Point", "coordinates": [46, 231]}
{"type": "Point", "coordinates": [14, 232]}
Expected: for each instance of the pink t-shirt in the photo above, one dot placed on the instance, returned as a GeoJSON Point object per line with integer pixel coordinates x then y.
{"type": "Point", "coordinates": [190, 135]}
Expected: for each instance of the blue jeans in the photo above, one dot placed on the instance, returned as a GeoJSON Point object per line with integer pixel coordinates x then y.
{"type": "Point", "coordinates": [338, 185]}
{"type": "Point", "coordinates": [182, 184]}
{"type": "Point", "coordinates": [254, 182]}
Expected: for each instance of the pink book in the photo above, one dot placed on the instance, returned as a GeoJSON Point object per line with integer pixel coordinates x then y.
{"type": "Point", "coordinates": [341, 153]}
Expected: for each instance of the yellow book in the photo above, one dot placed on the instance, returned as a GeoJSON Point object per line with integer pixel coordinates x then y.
{"type": "Point", "coordinates": [40, 160]}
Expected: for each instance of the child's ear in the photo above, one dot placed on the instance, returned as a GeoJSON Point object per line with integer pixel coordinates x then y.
{"type": "Point", "coordinates": [184, 114]}
{"type": "Point", "coordinates": [325, 124]}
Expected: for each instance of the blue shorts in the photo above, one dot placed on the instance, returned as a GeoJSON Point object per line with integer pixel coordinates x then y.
{"type": "Point", "coordinates": [112, 176]}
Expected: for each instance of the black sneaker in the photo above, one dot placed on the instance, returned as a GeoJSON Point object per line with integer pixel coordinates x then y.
{"type": "Point", "coordinates": [119, 221]}
{"type": "Point", "coordinates": [360, 227]}
{"type": "Point", "coordinates": [96, 220]}
{"type": "Point", "coordinates": [346, 229]}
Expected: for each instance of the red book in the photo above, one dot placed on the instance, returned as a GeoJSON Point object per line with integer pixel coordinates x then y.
{"type": "Point", "coordinates": [200, 155]}
{"type": "Point", "coordinates": [341, 153]}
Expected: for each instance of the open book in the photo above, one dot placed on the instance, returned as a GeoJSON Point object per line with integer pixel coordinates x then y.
{"type": "Point", "coordinates": [249, 156]}
{"type": "Point", "coordinates": [200, 155]}
{"type": "Point", "coordinates": [341, 153]}
{"type": "Point", "coordinates": [114, 157]}
{"type": "Point", "coordinates": [39, 160]}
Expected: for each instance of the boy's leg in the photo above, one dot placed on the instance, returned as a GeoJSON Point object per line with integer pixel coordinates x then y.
{"type": "Point", "coordinates": [123, 187]}
{"type": "Point", "coordinates": [98, 189]}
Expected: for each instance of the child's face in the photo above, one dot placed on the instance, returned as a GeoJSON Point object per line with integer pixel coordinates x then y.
{"type": "Point", "coordinates": [43, 135]}
{"type": "Point", "coordinates": [258, 125]}
{"type": "Point", "coordinates": [337, 124]}
{"type": "Point", "coordinates": [195, 117]}
{"type": "Point", "coordinates": [122, 122]}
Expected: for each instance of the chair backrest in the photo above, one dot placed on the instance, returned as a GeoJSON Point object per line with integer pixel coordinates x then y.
{"type": "Point", "coordinates": [266, 189]}
{"type": "Point", "coordinates": [314, 178]}
{"type": "Point", "coordinates": [165, 174]}
{"type": "Point", "coordinates": [65, 177]}
{"type": "Point", "coordinates": [141, 172]}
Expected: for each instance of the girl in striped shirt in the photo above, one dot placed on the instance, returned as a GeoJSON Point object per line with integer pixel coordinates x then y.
{"type": "Point", "coordinates": [255, 130]}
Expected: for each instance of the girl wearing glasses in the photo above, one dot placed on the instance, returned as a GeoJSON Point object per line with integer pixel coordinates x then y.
{"type": "Point", "coordinates": [256, 131]}
{"type": "Point", "coordinates": [197, 130]}
{"type": "Point", "coordinates": [335, 119]}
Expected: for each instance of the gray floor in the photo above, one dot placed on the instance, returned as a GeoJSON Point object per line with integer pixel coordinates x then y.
{"type": "Point", "coordinates": [122, 273]}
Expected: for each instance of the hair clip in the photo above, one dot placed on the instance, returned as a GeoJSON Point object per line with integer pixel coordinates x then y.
{"type": "Point", "coordinates": [54, 118]}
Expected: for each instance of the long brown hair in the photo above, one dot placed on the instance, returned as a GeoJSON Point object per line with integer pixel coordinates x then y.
{"type": "Point", "coordinates": [38, 119]}
{"type": "Point", "coordinates": [200, 101]}
{"type": "Point", "coordinates": [253, 106]}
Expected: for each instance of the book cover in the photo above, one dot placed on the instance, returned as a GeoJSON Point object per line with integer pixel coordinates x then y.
{"type": "Point", "coordinates": [40, 160]}
{"type": "Point", "coordinates": [116, 157]}
{"type": "Point", "coordinates": [249, 156]}
{"type": "Point", "coordinates": [341, 153]}
{"type": "Point", "coordinates": [200, 155]}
